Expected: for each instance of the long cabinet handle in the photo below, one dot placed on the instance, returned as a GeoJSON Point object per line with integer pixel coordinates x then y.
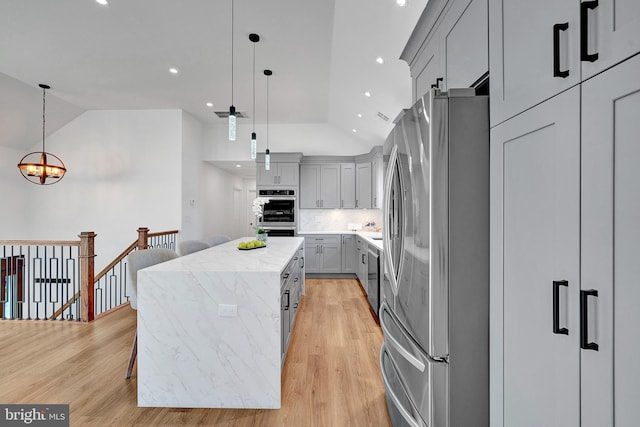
{"type": "Point", "coordinates": [556, 307]}
{"type": "Point", "coordinates": [584, 320]}
{"type": "Point", "coordinates": [288, 294]}
{"type": "Point", "coordinates": [584, 31]}
{"type": "Point", "coordinates": [557, 28]}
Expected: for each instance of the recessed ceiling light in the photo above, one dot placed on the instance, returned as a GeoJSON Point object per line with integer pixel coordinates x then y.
{"type": "Point", "coordinates": [359, 115]}
{"type": "Point", "coordinates": [353, 130]}
{"type": "Point", "coordinates": [102, 2]}
{"type": "Point", "coordinates": [173, 71]}
{"type": "Point", "coordinates": [209, 104]}
{"type": "Point", "coordinates": [401, 2]}
{"type": "Point", "coordinates": [367, 94]}
{"type": "Point", "coordinates": [238, 166]}
{"type": "Point", "coordinates": [379, 60]}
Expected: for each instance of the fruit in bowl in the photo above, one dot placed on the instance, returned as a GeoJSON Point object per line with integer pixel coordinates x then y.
{"type": "Point", "coordinates": [251, 244]}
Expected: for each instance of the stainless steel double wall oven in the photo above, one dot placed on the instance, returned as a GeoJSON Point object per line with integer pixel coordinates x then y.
{"type": "Point", "coordinates": [279, 214]}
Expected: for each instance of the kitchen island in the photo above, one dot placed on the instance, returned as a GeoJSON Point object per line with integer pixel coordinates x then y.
{"type": "Point", "coordinates": [210, 327]}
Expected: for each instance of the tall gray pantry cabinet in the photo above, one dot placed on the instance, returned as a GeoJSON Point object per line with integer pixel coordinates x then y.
{"type": "Point", "coordinates": [565, 204]}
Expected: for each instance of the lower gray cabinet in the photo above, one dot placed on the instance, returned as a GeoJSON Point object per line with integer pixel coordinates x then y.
{"type": "Point", "coordinates": [348, 253]}
{"type": "Point", "coordinates": [323, 253]}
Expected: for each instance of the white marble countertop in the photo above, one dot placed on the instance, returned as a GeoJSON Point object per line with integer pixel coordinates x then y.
{"type": "Point", "coordinates": [227, 257]}
{"type": "Point", "coordinates": [368, 236]}
{"type": "Point", "coordinates": [209, 328]}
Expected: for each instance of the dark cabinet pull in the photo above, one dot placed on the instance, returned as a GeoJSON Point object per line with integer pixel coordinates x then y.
{"type": "Point", "coordinates": [584, 31]}
{"type": "Point", "coordinates": [556, 307]}
{"type": "Point", "coordinates": [288, 294]}
{"type": "Point", "coordinates": [556, 50]}
{"type": "Point", "coordinates": [584, 320]}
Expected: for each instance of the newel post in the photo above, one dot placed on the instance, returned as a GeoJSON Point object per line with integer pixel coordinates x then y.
{"type": "Point", "coordinates": [142, 238]}
{"type": "Point", "coordinates": [87, 255]}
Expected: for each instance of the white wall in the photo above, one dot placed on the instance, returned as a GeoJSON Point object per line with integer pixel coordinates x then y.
{"type": "Point", "coordinates": [223, 202]}
{"type": "Point", "coordinates": [124, 171]}
{"type": "Point", "coordinates": [310, 139]}
{"type": "Point", "coordinates": [14, 210]}
{"type": "Point", "coordinates": [192, 199]}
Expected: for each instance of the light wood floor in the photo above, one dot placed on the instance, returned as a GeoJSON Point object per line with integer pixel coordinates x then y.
{"type": "Point", "coordinates": [331, 376]}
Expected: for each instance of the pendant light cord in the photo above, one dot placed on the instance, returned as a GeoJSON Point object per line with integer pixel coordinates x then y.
{"type": "Point", "coordinates": [44, 92]}
{"type": "Point", "coordinates": [231, 52]}
{"type": "Point", "coordinates": [254, 87]}
{"type": "Point", "coordinates": [267, 112]}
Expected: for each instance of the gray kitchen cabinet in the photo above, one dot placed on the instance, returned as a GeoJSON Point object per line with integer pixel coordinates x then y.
{"type": "Point", "coordinates": [528, 35]}
{"type": "Point", "coordinates": [377, 179]}
{"type": "Point", "coordinates": [348, 253]}
{"type": "Point", "coordinates": [361, 261]}
{"type": "Point", "coordinates": [347, 185]}
{"type": "Point", "coordinates": [564, 249]}
{"type": "Point", "coordinates": [323, 253]}
{"type": "Point", "coordinates": [280, 175]}
{"type": "Point", "coordinates": [551, 46]}
{"type": "Point", "coordinates": [363, 185]}
{"type": "Point", "coordinates": [309, 186]}
{"type": "Point", "coordinates": [610, 245]}
{"type": "Point", "coordinates": [319, 186]}
{"type": "Point", "coordinates": [449, 46]}
{"type": "Point", "coordinates": [536, 181]}
{"type": "Point", "coordinates": [613, 29]}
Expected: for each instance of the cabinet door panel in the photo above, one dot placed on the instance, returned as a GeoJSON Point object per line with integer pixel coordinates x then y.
{"type": "Point", "coordinates": [348, 254]}
{"type": "Point", "coordinates": [521, 58]}
{"type": "Point", "coordinates": [614, 29]}
{"type": "Point", "coordinates": [265, 177]}
{"type": "Point", "coordinates": [311, 258]}
{"type": "Point", "coordinates": [363, 185]}
{"type": "Point", "coordinates": [466, 43]}
{"type": "Point", "coordinates": [288, 174]}
{"type": "Point", "coordinates": [309, 186]}
{"type": "Point", "coordinates": [428, 69]}
{"type": "Point", "coordinates": [330, 186]}
{"type": "Point", "coordinates": [348, 185]}
{"type": "Point", "coordinates": [331, 259]}
{"type": "Point", "coordinates": [540, 238]}
{"type": "Point", "coordinates": [611, 245]}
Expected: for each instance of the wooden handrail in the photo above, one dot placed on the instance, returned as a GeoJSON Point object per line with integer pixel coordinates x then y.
{"type": "Point", "coordinates": [119, 258]}
{"type": "Point", "coordinates": [163, 233]}
{"type": "Point", "coordinates": [40, 242]}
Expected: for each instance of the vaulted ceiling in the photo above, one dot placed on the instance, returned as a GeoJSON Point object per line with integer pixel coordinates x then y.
{"type": "Point", "coordinates": [322, 53]}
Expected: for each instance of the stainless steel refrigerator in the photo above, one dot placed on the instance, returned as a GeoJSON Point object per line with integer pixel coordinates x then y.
{"type": "Point", "coordinates": [435, 310]}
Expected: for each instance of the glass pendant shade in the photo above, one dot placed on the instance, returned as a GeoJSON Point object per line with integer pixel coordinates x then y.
{"type": "Point", "coordinates": [254, 145]}
{"type": "Point", "coordinates": [232, 123]}
{"type": "Point", "coordinates": [267, 160]}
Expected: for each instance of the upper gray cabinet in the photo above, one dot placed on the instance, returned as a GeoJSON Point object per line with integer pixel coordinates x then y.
{"type": "Point", "coordinates": [280, 175]}
{"type": "Point", "coordinates": [348, 185]}
{"type": "Point", "coordinates": [449, 46]}
{"type": "Point", "coordinates": [541, 48]}
{"type": "Point", "coordinates": [363, 185]}
{"type": "Point", "coordinates": [319, 186]}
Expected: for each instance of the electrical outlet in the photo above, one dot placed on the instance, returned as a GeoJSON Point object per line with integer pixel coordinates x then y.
{"type": "Point", "coordinates": [227, 310]}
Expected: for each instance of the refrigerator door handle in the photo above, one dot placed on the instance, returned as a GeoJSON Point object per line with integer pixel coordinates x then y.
{"type": "Point", "coordinates": [417, 363]}
{"type": "Point", "coordinates": [386, 230]}
{"type": "Point", "coordinates": [405, 414]}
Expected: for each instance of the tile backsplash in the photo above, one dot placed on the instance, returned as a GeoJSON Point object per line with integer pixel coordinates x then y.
{"type": "Point", "coordinates": [337, 219]}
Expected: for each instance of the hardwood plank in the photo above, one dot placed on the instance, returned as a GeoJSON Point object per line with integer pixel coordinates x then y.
{"type": "Point", "coordinates": [331, 376]}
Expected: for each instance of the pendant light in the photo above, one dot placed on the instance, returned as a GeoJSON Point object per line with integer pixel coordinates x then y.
{"type": "Point", "coordinates": [254, 143]}
{"type": "Point", "coordinates": [38, 167]}
{"type": "Point", "coordinates": [267, 156]}
{"type": "Point", "coordinates": [232, 108]}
